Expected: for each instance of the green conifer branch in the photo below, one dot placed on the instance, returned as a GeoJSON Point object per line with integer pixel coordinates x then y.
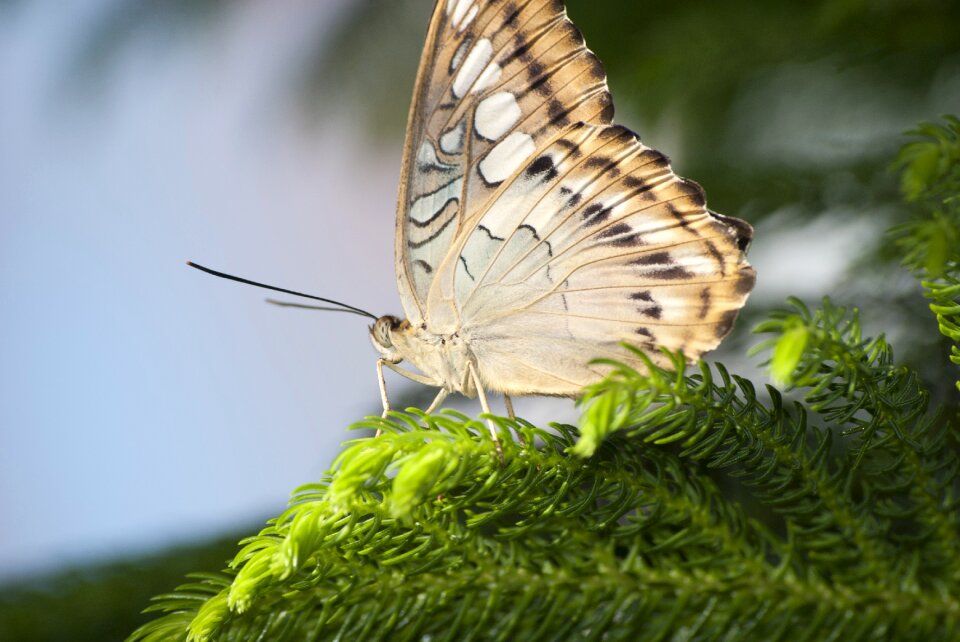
{"type": "Point", "coordinates": [775, 453]}
{"type": "Point", "coordinates": [930, 182]}
{"type": "Point", "coordinates": [398, 543]}
{"type": "Point", "coordinates": [620, 531]}
{"type": "Point", "coordinates": [906, 469]}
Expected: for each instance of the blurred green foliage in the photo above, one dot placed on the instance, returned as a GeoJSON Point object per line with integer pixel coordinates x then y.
{"type": "Point", "coordinates": [767, 104]}
{"type": "Point", "coordinates": [694, 77]}
{"type": "Point", "coordinates": [930, 240]}
{"type": "Point", "coordinates": [100, 602]}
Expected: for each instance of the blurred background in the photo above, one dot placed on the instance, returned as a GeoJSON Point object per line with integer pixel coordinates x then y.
{"type": "Point", "coordinates": [151, 415]}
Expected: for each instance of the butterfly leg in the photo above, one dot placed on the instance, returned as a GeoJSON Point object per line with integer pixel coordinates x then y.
{"type": "Point", "coordinates": [509, 404]}
{"type": "Point", "coordinates": [413, 376]}
{"type": "Point", "coordinates": [383, 392]}
{"type": "Point", "coordinates": [437, 401]}
{"type": "Point", "coordinates": [485, 406]}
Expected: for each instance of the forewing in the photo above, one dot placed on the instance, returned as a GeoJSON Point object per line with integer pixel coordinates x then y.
{"type": "Point", "coordinates": [595, 242]}
{"type": "Point", "coordinates": [498, 80]}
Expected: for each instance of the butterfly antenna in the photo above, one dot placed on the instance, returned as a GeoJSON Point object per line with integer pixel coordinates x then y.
{"type": "Point", "coordinates": [343, 307]}
{"type": "Point", "coordinates": [306, 306]}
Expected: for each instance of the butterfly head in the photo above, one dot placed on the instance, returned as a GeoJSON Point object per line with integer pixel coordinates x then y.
{"type": "Point", "coordinates": [381, 334]}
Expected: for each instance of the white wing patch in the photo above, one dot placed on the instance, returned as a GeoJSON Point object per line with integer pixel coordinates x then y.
{"type": "Point", "coordinates": [460, 53]}
{"type": "Point", "coordinates": [429, 206]}
{"type": "Point", "coordinates": [428, 161]}
{"type": "Point", "coordinates": [496, 115]}
{"type": "Point", "coordinates": [451, 142]}
{"type": "Point", "coordinates": [506, 158]}
{"type": "Point", "coordinates": [476, 65]}
{"type": "Point", "coordinates": [463, 14]}
{"type": "Point", "coordinates": [459, 9]}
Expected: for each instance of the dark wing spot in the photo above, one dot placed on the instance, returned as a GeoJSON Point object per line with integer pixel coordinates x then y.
{"type": "Point", "coordinates": [741, 229]}
{"type": "Point", "coordinates": [656, 258]}
{"type": "Point", "coordinates": [643, 332]}
{"type": "Point", "coordinates": [748, 278]}
{"type": "Point", "coordinates": [596, 69]}
{"type": "Point", "coordinates": [607, 165]}
{"type": "Point", "coordinates": [617, 132]}
{"type": "Point", "coordinates": [459, 53]}
{"type": "Point", "coordinates": [438, 232]}
{"type": "Point", "coordinates": [535, 68]}
{"type": "Point", "coordinates": [466, 268]}
{"type": "Point", "coordinates": [607, 114]}
{"type": "Point", "coordinates": [532, 230]}
{"type": "Point", "coordinates": [622, 235]}
{"type": "Point", "coordinates": [619, 228]}
{"type": "Point", "coordinates": [692, 190]}
{"type": "Point", "coordinates": [426, 266]}
{"type": "Point", "coordinates": [671, 271]}
{"type": "Point", "coordinates": [674, 273]}
{"type": "Point", "coordinates": [427, 167]}
{"type": "Point", "coordinates": [540, 79]}
{"type": "Point", "coordinates": [558, 113]}
{"type": "Point", "coordinates": [489, 233]}
{"type": "Point", "coordinates": [514, 12]}
{"type": "Point", "coordinates": [452, 204]}
{"type": "Point", "coordinates": [725, 324]}
{"type": "Point", "coordinates": [573, 34]}
{"type": "Point", "coordinates": [542, 168]}
{"type": "Point", "coordinates": [436, 191]}
{"type": "Point", "coordinates": [523, 46]}
{"type": "Point", "coordinates": [638, 187]}
{"type": "Point", "coordinates": [569, 145]}
{"type": "Point", "coordinates": [704, 302]}
{"type": "Point", "coordinates": [653, 157]}
{"type": "Point", "coordinates": [597, 213]}
{"type": "Point", "coordinates": [682, 220]}
{"type": "Point", "coordinates": [653, 311]}
{"type": "Point", "coordinates": [718, 257]}
{"type": "Point", "coordinates": [573, 198]}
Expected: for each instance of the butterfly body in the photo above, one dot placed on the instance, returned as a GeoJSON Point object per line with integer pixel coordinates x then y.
{"type": "Point", "coordinates": [442, 358]}
{"type": "Point", "coordinates": [533, 234]}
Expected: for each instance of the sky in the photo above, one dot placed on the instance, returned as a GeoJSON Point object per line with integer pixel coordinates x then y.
{"type": "Point", "coordinates": [136, 393]}
{"type": "Point", "coordinates": [144, 404]}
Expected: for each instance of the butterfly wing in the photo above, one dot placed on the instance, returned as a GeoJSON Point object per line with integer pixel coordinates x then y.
{"type": "Point", "coordinates": [595, 242]}
{"type": "Point", "coordinates": [534, 226]}
{"type": "Point", "coordinates": [497, 80]}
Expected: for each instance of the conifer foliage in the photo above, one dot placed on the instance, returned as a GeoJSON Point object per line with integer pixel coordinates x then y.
{"type": "Point", "coordinates": [687, 505]}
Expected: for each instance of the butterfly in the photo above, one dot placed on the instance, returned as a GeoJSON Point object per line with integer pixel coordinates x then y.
{"type": "Point", "coordinates": [533, 235]}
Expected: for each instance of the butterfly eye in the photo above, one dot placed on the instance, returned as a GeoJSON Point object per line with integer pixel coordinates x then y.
{"type": "Point", "coordinates": [381, 331]}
